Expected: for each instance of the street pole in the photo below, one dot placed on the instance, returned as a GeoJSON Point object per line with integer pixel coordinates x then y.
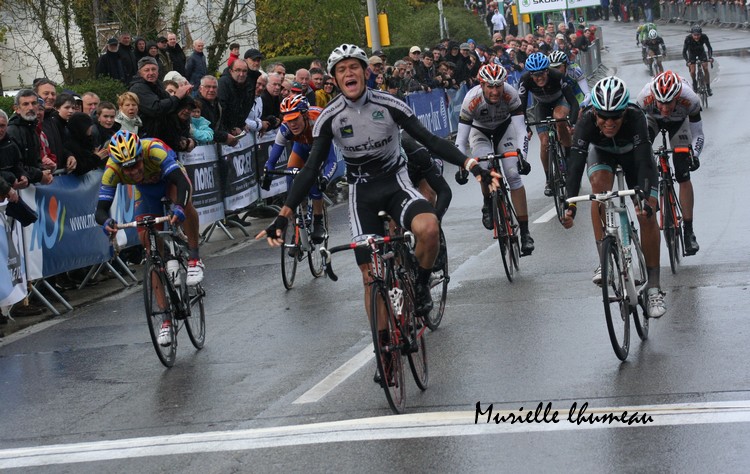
{"type": "Point", "coordinates": [441, 19]}
{"type": "Point", "coordinates": [372, 12]}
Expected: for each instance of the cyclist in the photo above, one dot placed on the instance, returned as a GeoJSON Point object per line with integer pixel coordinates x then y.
{"type": "Point", "coordinates": [642, 34]}
{"type": "Point", "coordinates": [364, 123]}
{"type": "Point", "coordinates": [618, 135]}
{"type": "Point", "coordinates": [696, 44]}
{"type": "Point", "coordinates": [491, 121]}
{"type": "Point", "coordinates": [298, 121]}
{"type": "Point", "coordinates": [654, 46]}
{"type": "Point", "coordinates": [573, 75]}
{"type": "Point", "coordinates": [153, 168]}
{"type": "Point", "coordinates": [426, 174]}
{"type": "Point", "coordinates": [670, 106]}
{"type": "Point", "coordinates": [553, 96]}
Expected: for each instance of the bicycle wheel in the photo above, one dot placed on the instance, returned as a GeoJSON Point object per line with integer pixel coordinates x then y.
{"type": "Point", "coordinates": [314, 259]}
{"type": "Point", "coordinates": [154, 286]}
{"type": "Point", "coordinates": [414, 327]}
{"type": "Point", "coordinates": [439, 285]}
{"type": "Point", "coordinates": [640, 278]}
{"type": "Point", "coordinates": [499, 215]}
{"type": "Point", "coordinates": [290, 253]}
{"type": "Point", "coordinates": [387, 352]}
{"type": "Point", "coordinates": [195, 323]}
{"type": "Point", "coordinates": [616, 306]}
{"type": "Point", "coordinates": [668, 226]}
{"type": "Point", "coordinates": [557, 178]}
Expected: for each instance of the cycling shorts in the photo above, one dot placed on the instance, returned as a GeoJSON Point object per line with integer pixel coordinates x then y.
{"type": "Point", "coordinates": [149, 203]}
{"type": "Point", "coordinates": [503, 140]}
{"type": "Point", "coordinates": [542, 110]}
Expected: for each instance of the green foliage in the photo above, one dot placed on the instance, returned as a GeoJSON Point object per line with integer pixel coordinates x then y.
{"type": "Point", "coordinates": [106, 88]}
{"type": "Point", "coordinates": [6, 103]}
{"type": "Point", "coordinates": [423, 28]}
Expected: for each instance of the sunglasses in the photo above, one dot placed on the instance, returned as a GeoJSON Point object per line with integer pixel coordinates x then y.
{"type": "Point", "coordinates": [493, 86]}
{"type": "Point", "coordinates": [610, 115]}
{"type": "Point", "coordinates": [328, 84]}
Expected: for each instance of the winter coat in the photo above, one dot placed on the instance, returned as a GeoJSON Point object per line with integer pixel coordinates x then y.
{"type": "Point", "coordinates": [81, 144]}
{"type": "Point", "coordinates": [196, 68]}
{"type": "Point", "coordinates": [23, 133]}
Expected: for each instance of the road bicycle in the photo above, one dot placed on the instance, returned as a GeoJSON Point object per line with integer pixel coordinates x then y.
{"type": "Point", "coordinates": [166, 295]}
{"type": "Point", "coordinates": [654, 63]}
{"type": "Point", "coordinates": [504, 219]}
{"type": "Point", "coordinates": [439, 280]}
{"type": "Point", "coordinates": [297, 242]}
{"type": "Point", "coordinates": [670, 220]}
{"type": "Point", "coordinates": [393, 269]}
{"type": "Point", "coordinates": [700, 80]}
{"type": "Point", "coordinates": [556, 163]}
{"type": "Point", "coordinates": [624, 276]}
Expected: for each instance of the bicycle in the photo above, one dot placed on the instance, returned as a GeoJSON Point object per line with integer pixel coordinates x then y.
{"type": "Point", "coordinates": [297, 241]}
{"type": "Point", "coordinates": [504, 219]}
{"type": "Point", "coordinates": [700, 79]}
{"type": "Point", "coordinates": [167, 297]}
{"type": "Point", "coordinates": [655, 66]}
{"type": "Point", "coordinates": [392, 294]}
{"type": "Point", "coordinates": [556, 164]}
{"type": "Point", "coordinates": [670, 221]}
{"type": "Point", "coordinates": [624, 276]}
{"type": "Point", "coordinates": [439, 280]}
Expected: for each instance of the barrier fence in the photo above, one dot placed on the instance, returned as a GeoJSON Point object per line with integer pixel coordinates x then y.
{"type": "Point", "coordinates": [726, 13]}
{"type": "Point", "coordinates": [225, 181]}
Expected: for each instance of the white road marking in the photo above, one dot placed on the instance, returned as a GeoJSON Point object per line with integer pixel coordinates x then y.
{"type": "Point", "coordinates": [547, 216]}
{"type": "Point", "coordinates": [348, 368]}
{"type": "Point", "coordinates": [418, 425]}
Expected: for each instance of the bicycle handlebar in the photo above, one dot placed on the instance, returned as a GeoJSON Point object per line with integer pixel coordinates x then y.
{"type": "Point", "coordinates": [147, 221]}
{"type": "Point", "coordinates": [284, 172]}
{"type": "Point", "coordinates": [609, 195]}
{"type": "Point", "coordinates": [373, 242]}
{"type": "Point", "coordinates": [549, 120]}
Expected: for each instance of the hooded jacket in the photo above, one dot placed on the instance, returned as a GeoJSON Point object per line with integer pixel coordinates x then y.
{"type": "Point", "coordinates": [155, 107]}
{"type": "Point", "coordinates": [81, 144]}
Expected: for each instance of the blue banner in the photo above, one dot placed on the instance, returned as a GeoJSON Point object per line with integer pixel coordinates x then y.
{"type": "Point", "coordinates": [455, 99]}
{"type": "Point", "coordinates": [13, 273]}
{"type": "Point", "coordinates": [431, 108]}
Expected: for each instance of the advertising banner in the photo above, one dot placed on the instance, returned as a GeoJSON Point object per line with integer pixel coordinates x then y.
{"type": "Point", "coordinates": [583, 3]}
{"type": "Point", "coordinates": [66, 235]}
{"type": "Point", "coordinates": [278, 185]}
{"type": "Point", "coordinates": [455, 99]}
{"type": "Point", "coordinates": [123, 210]}
{"type": "Point", "coordinates": [13, 272]}
{"type": "Point", "coordinates": [202, 165]}
{"type": "Point", "coordinates": [538, 6]}
{"type": "Point", "coordinates": [431, 108]}
{"type": "Point", "coordinates": [239, 174]}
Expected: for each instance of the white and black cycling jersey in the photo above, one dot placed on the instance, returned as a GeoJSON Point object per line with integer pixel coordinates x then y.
{"type": "Point", "coordinates": [479, 113]}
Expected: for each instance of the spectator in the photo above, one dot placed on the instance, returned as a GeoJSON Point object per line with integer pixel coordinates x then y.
{"type": "Point", "coordinates": [415, 54]}
{"type": "Point", "coordinates": [80, 141]}
{"type": "Point", "coordinates": [277, 68]}
{"type": "Point", "coordinates": [236, 96]}
{"type": "Point", "coordinates": [465, 70]}
{"type": "Point", "coordinates": [303, 77]}
{"type": "Point", "coordinates": [178, 135]}
{"type": "Point", "coordinates": [254, 122]}
{"type": "Point", "coordinates": [127, 55]}
{"type": "Point", "coordinates": [375, 67]}
{"type": "Point", "coordinates": [272, 101]}
{"type": "Point", "coordinates": [110, 63]}
{"type": "Point", "coordinates": [161, 44]}
{"type": "Point", "coordinates": [316, 80]}
{"type": "Point", "coordinates": [196, 66]}
{"type": "Point", "coordinates": [234, 54]}
{"type": "Point", "coordinates": [316, 64]}
{"type": "Point", "coordinates": [54, 126]}
{"type": "Point", "coordinates": [127, 113]}
{"type": "Point", "coordinates": [325, 93]}
{"type": "Point", "coordinates": [379, 53]}
{"type": "Point", "coordinates": [106, 126]}
{"type": "Point", "coordinates": [49, 160]}
{"type": "Point", "coordinates": [140, 50]}
{"type": "Point", "coordinates": [499, 24]}
{"type": "Point", "coordinates": [155, 105]}
{"type": "Point", "coordinates": [11, 167]}
{"type": "Point", "coordinates": [170, 86]}
{"type": "Point", "coordinates": [453, 54]}
{"type": "Point", "coordinates": [200, 126]}
{"type": "Point", "coordinates": [286, 88]}
{"type": "Point", "coordinates": [90, 103]}
{"type": "Point", "coordinates": [605, 9]}
{"type": "Point", "coordinates": [22, 130]}
{"type": "Point", "coordinates": [176, 55]}
{"type": "Point", "coordinates": [445, 75]}
{"type": "Point", "coordinates": [162, 65]}
{"type": "Point", "coordinates": [211, 110]}
{"type": "Point", "coordinates": [425, 71]}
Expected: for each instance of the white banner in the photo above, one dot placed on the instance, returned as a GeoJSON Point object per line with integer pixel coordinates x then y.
{"type": "Point", "coordinates": [583, 3]}
{"type": "Point", "coordinates": [13, 273]}
{"type": "Point", "coordinates": [538, 6]}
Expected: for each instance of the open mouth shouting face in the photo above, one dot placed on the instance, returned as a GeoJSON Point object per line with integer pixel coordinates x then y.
{"type": "Point", "coordinates": [350, 78]}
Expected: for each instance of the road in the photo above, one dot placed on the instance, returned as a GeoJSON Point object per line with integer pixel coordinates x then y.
{"type": "Point", "coordinates": [284, 383]}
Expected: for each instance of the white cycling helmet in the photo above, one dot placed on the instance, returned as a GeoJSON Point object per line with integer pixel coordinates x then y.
{"type": "Point", "coordinates": [652, 34]}
{"type": "Point", "coordinates": [666, 87]}
{"type": "Point", "coordinates": [610, 96]}
{"type": "Point", "coordinates": [557, 58]}
{"type": "Point", "coordinates": [346, 51]}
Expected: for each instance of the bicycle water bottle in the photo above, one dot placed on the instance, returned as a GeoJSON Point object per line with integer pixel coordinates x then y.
{"type": "Point", "coordinates": [173, 271]}
{"type": "Point", "coordinates": [624, 228]}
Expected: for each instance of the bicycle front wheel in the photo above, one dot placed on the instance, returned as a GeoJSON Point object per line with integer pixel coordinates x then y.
{"type": "Point", "coordinates": [413, 328]}
{"type": "Point", "coordinates": [314, 259]}
{"type": "Point", "coordinates": [669, 227]}
{"type": "Point", "coordinates": [439, 285]}
{"type": "Point", "coordinates": [503, 232]}
{"type": "Point", "coordinates": [640, 278]}
{"type": "Point", "coordinates": [195, 323]}
{"type": "Point", "coordinates": [556, 179]}
{"type": "Point", "coordinates": [159, 309]}
{"type": "Point", "coordinates": [387, 348]}
{"type": "Point", "coordinates": [290, 253]}
{"type": "Point", "coordinates": [614, 296]}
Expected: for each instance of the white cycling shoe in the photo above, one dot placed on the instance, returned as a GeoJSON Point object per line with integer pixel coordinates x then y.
{"type": "Point", "coordinates": [655, 306]}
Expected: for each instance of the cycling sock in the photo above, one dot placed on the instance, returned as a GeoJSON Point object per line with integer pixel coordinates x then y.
{"type": "Point", "coordinates": [194, 254]}
{"type": "Point", "coordinates": [523, 223]}
{"type": "Point", "coordinates": [318, 219]}
{"type": "Point", "coordinates": [687, 225]}
{"type": "Point", "coordinates": [423, 275]}
{"type": "Point", "coordinates": [487, 202]}
{"type": "Point", "coordinates": [653, 277]}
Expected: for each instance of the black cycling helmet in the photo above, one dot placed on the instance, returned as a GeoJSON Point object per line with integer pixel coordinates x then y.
{"type": "Point", "coordinates": [696, 29]}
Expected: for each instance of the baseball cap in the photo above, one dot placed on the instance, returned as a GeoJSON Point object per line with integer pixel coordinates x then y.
{"type": "Point", "coordinates": [146, 60]}
{"type": "Point", "coordinates": [378, 52]}
{"type": "Point", "coordinates": [161, 39]}
{"type": "Point", "coordinates": [297, 87]}
{"type": "Point", "coordinates": [415, 49]}
{"type": "Point", "coordinates": [253, 53]}
{"type": "Point", "coordinates": [112, 41]}
{"type": "Point", "coordinates": [375, 60]}
{"type": "Point", "coordinates": [560, 36]}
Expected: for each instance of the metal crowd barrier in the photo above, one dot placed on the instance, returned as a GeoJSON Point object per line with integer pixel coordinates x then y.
{"type": "Point", "coordinates": [721, 13]}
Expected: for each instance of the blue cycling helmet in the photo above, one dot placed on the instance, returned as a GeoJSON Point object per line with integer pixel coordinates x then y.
{"type": "Point", "coordinates": [537, 62]}
{"type": "Point", "coordinates": [610, 97]}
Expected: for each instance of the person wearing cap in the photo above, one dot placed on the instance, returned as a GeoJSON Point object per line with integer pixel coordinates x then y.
{"type": "Point", "coordinates": [196, 66]}
{"type": "Point", "coordinates": [110, 63]}
{"type": "Point", "coordinates": [161, 45]}
{"type": "Point", "coordinates": [162, 59]}
{"type": "Point", "coordinates": [237, 95]}
{"type": "Point", "coordinates": [381, 55]}
{"type": "Point", "coordinates": [176, 54]}
{"type": "Point", "coordinates": [375, 67]}
{"type": "Point", "coordinates": [155, 104]}
{"type": "Point", "coordinates": [415, 53]}
{"type": "Point", "coordinates": [466, 70]}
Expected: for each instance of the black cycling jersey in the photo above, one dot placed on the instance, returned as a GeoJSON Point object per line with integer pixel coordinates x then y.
{"type": "Point", "coordinates": [694, 49]}
{"type": "Point", "coordinates": [555, 88]}
{"type": "Point", "coordinates": [367, 133]}
{"type": "Point", "coordinates": [630, 142]}
{"type": "Point", "coordinates": [656, 45]}
{"type": "Point", "coordinates": [421, 166]}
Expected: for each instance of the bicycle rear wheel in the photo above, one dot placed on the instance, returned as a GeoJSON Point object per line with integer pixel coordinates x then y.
{"type": "Point", "coordinates": [439, 280]}
{"type": "Point", "coordinates": [290, 253]}
{"type": "Point", "coordinates": [195, 323]}
{"type": "Point", "coordinates": [502, 232]}
{"type": "Point", "coordinates": [556, 180]}
{"type": "Point", "coordinates": [413, 328]}
{"type": "Point", "coordinates": [387, 352]}
{"type": "Point", "coordinates": [614, 297]}
{"type": "Point", "coordinates": [640, 278]}
{"type": "Point", "coordinates": [314, 259]}
{"type": "Point", "coordinates": [154, 287]}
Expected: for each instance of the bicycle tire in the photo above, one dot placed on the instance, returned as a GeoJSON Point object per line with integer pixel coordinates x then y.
{"type": "Point", "coordinates": [314, 259]}
{"type": "Point", "coordinates": [499, 216]}
{"type": "Point", "coordinates": [640, 276]}
{"type": "Point", "coordinates": [439, 280]}
{"type": "Point", "coordinates": [195, 322]}
{"type": "Point", "coordinates": [668, 226]}
{"type": "Point", "coordinates": [414, 327]}
{"type": "Point", "coordinates": [155, 316]}
{"type": "Point", "coordinates": [290, 253]}
{"type": "Point", "coordinates": [614, 298]}
{"type": "Point", "coordinates": [387, 356]}
{"type": "Point", "coordinates": [558, 180]}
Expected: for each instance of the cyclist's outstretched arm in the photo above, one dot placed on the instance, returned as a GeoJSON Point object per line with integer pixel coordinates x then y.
{"type": "Point", "coordinates": [178, 178]}
{"type": "Point", "coordinates": [441, 188]}
{"type": "Point", "coordinates": [438, 146]}
{"type": "Point", "coordinates": [696, 130]}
